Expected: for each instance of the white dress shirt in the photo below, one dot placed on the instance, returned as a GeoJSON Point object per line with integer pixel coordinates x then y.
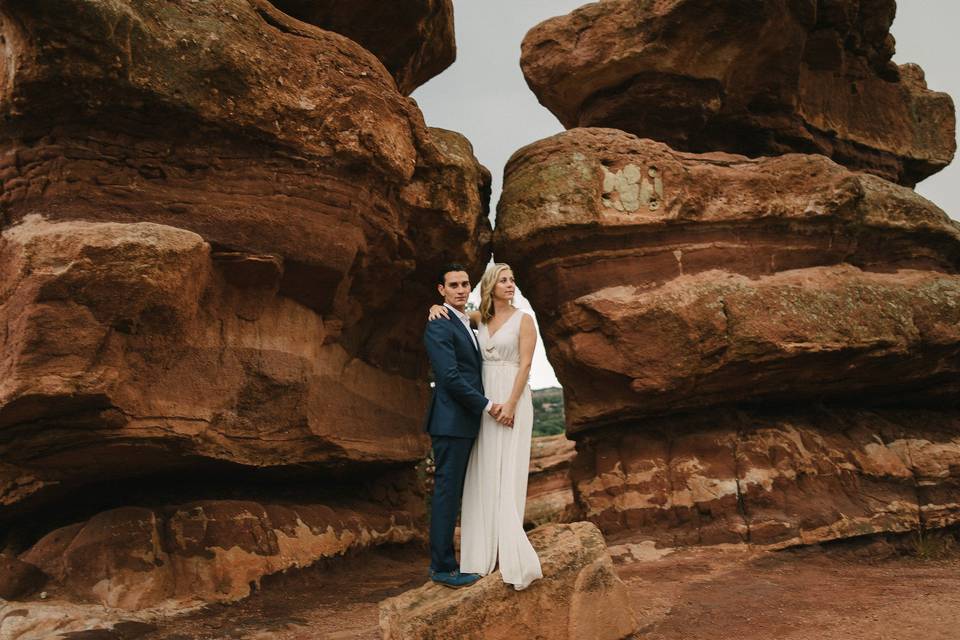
{"type": "Point", "coordinates": [465, 319]}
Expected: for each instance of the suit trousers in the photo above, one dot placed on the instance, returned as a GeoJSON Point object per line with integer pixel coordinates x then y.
{"type": "Point", "coordinates": [450, 456]}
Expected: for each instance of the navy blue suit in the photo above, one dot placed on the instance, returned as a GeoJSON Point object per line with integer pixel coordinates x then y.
{"type": "Point", "coordinates": [453, 422]}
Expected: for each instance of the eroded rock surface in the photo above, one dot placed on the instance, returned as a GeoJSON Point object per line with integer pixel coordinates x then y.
{"type": "Point", "coordinates": [413, 38]}
{"type": "Point", "coordinates": [18, 579]}
{"type": "Point", "coordinates": [580, 596]}
{"type": "Point", "coordinates": [775, 77]}
{"type": "Point", "coordinates": [210, 551]}
{"type": "Point", "coordinates": [549, 491]}
{"type": "Point", "coordinates": [219, 228]}
{"type": "Point", "coordinates": [669, 281]}
{"type": "Point", "coordinates": [129, 350]}
{"type": "Point", "coordinates": [772, 478]}
{"type": "Point", "coordinates": [718, 324]}
{"type": "Point", "coordinates": [201, 215]}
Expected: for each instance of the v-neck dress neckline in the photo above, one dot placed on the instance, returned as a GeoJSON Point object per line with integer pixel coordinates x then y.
{"type": "Point", "coordinates": [500, 328]}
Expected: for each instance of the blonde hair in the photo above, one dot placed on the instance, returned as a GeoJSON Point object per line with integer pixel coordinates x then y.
{"type": "Point", "coordinates": [487, 283]}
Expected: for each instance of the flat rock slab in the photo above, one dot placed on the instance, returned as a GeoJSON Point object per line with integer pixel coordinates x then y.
{"type": "Point", "coordinates": [579, 597]}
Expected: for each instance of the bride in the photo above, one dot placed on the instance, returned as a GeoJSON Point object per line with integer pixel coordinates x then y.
{"type": "Point", "coordinates": [495, 489]}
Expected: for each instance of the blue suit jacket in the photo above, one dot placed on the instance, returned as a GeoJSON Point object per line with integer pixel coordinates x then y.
{"type": "Point", "coordinates": [458, 401]}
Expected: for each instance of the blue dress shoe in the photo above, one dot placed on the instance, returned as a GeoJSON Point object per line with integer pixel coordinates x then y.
{"type": "Point", "coordinates": [453, 579]}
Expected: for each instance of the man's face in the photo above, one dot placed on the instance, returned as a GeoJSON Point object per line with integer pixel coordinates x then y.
{"type": "Point", "coordinates": [455, 289]}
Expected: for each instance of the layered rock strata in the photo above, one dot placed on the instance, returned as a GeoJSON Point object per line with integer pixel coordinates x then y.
{"type": "Point", "coordinates": [673, 288]}
{"type": "Point", "coordinates": [580, 596]}
{"type": "Point", "coordinates": [766, 78]}
{"type": "Point", "coordinates": [210, 551]}
{"type": "Point", "coordinates": [414, 39]}
{"type": "Point", "coordinates": [549, 491]}
{"type": "Point", "coordinates": [772, 477]}
{"type": "Point", "coordinates": [219, 229]}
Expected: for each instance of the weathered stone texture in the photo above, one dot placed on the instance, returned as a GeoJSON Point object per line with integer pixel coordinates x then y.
{"type": "Point", "coordinates": [18, 579]}
{"type": "Point", "coordinates": [772, 478]}
{"type": "Point", "coordinates": [752, 350]}
{"type": "Point", "coordinates": [218, 233]}
{"type": "Point", "coordinates": [413, 38]}
{"type": "Point", "coordinates": [206, 211]}
{"type": "Point", "coordinates": [724, 279]}
{"type": "Point", "coordinates": [764, 78]}
{"type": "Point", "coordinates": [580, 596]}
{"type": "Point", "coordinates": [209, 551]}
{"type": "Point", "coordinates": [57, 619]}
{"type": "Point", "coordinates": [549, 491]}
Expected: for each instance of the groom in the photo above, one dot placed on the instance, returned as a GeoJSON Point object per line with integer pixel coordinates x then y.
{"type": "Point", "coordinates": [453, 420]}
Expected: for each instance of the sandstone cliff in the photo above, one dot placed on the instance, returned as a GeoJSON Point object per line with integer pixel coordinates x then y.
{"type": "Point", "coordinates": [753, 349]}
{"type": "Point", "coordinates": [220, 228]}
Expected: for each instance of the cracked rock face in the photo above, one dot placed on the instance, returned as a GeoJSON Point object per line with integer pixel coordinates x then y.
{"type": "Point", "coordinates": [673, 286]}
{"type": "Point", "coordinates": [810, 76]}
{"type": "Point", "coordinates": [219, 229]}
{"type": "Point", "coordinates": [414, 39]}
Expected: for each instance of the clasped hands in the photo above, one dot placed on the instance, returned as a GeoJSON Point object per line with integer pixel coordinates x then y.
{"type": "Point", "coordinates": [503, 413]}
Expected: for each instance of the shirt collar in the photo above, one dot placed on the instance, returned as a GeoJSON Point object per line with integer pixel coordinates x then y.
{"type": "Point", "coordinates": [463, 317]}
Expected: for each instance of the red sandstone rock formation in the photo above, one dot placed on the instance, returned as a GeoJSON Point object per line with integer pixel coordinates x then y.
{"type": "Point", "coordinates": [549, 491]}
{"type": "Point", "coordinates": [674, 287]}
{"type": "Point", "coordinates": [760, 79]}
{"type": "Point", "coordinates": [18, 579]}
{"type": "Point", "coordinates": [580, 596]}
{"type": "Point", "coordinates": [134, 558]}
{"type": "Point", "coordinates": [220, 228]}
{"type": "Point", "coordinates": [413, 38]}
{"type": "Point", "coordinates": [772, 477]}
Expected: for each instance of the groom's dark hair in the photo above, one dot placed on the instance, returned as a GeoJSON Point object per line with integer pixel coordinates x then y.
{"type": "Point", "coordinates": [447, 268]}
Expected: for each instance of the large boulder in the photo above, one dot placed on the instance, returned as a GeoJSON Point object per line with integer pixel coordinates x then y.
{"type": "Point", "coordinates": [667, 280]}
{"type": "Point", "coordinates": [414, 39]}
{"type": "Point", "coordinates": [206, 212]}
{"type": "Point", "coordinates": [132, 347]}
{"type": "Point", "coordinates": [580, 596]}
{"type": "Point", "coordinates": [757, 78]}
{"type": "Point", "coordinates": [699, 308]}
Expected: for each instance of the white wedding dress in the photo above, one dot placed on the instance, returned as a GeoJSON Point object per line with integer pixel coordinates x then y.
{"type": "Point", "coordinates": [495, 488]}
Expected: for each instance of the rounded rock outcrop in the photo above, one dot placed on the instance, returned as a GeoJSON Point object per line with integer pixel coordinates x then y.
{"type": "Point", "coordinates": [722, 326]}
{"type": "Point", "coordinates": [757, 78]}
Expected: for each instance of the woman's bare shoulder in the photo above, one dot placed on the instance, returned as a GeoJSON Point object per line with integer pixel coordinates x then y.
{"type": "Point", "coordinates": [526, 320]}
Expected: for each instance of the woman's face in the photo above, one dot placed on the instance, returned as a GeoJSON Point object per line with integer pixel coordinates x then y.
{"type": "Point", "coordinates": [505, 286]}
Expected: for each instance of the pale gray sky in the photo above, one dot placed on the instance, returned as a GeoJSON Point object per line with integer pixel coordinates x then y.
{"type": "Point", "coordinates": [483, 95]}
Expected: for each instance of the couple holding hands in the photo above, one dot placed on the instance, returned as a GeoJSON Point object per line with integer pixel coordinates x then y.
{"type": "Point", "coordinates": [480, 423]}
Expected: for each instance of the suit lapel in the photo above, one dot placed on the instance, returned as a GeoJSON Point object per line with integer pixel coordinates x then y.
{"type": "Point", "coordinates": [470, 336]}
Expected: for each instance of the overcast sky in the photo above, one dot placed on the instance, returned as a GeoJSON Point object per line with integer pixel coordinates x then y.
{"type": "Point", "coordinates": [483, 95]}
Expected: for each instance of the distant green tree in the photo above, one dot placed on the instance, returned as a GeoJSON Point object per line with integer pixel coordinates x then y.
{"type": "Point", "coordinates": [548, 416]}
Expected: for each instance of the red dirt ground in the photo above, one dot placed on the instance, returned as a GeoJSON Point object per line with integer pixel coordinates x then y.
{"type": "Point", "coordinates": [853, 591]}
